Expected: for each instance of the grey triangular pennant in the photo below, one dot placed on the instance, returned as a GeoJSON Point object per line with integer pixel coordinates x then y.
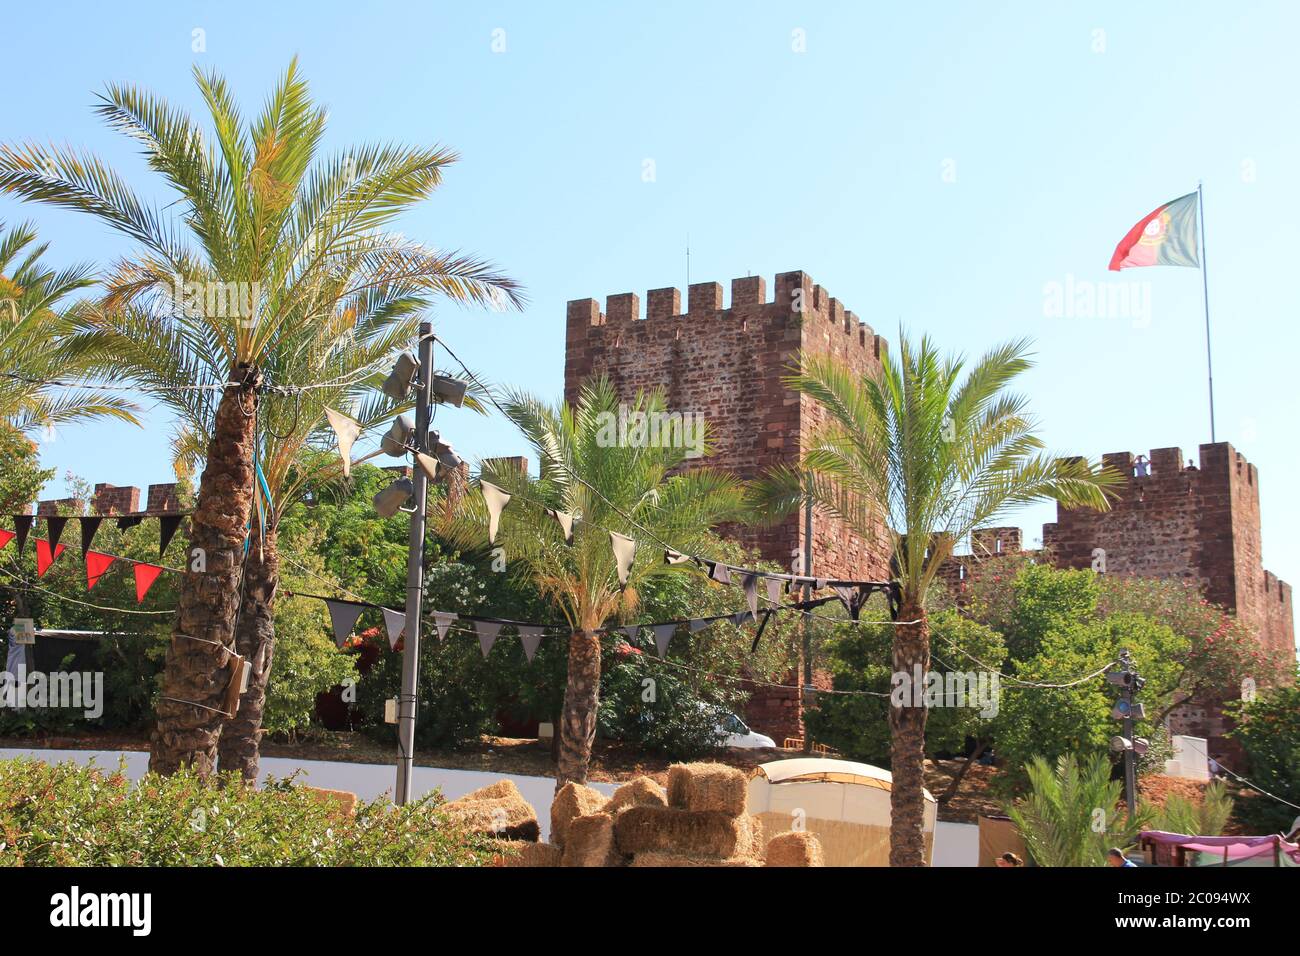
{"type": "Point", "coordinates": [822, 582]}
{"type": "Point", "coordinates": [675, 557]}
{"type": "Point", "coordinates": [631, 630]}
{"type": "Point", "coordinates": [740, 617]}
{"type": "Point", "coordinates": [441, 621]}
{"type": "Point", "coordinates": [530, 635]}
{"type": "Point", "coordinates": [720, 572]}
{"type": "Point", "coordinates": [774, 586]}
{"type": "Point", "coordinates": [487, 635]}
{"type": "Point", "coordinates": [699, 624]}
{"type": "Point", "coordinates": [394, 624]}
{"type": "Point", "coordinates": [343, 618]}
{"type": "Point", "coordinates": [663, 634]}
{"type": "Point", "coordinates": [750, 583]}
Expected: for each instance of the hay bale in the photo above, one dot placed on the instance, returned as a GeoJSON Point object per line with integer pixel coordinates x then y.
{"type": "Point", "coordinates": [698, 833]}
{"type": "Point", "coordinates": [343, 801]}
{"type": "Point", "coordinates": [590, 842]}
{"type": "Point", "coordinates": [658, 859]}
{"type": "Point", "coordinates": [641, 792]}
{"type": "Point", "coordinates": [501, 790]}
{"type": "Point", "coordinates": [713, 787]}
{"type": "Point", "coordinates": [574, 800]}
{"type": "Point", "coordinates": [499, 810]}
{"type": "Point", "coordinates": [524, 854]}
{"type": "Point", "coordinates": [794, 848]}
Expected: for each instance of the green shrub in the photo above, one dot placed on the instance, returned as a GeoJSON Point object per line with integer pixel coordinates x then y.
{"type": "Point", "coordinates": [70, 815]}
{"type": "Point", "coordinates": [1268, 729]}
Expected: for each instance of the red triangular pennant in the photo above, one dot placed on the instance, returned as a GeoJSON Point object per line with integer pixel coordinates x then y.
{"type": "Point", "coordinates": [5, 538]}
{"type": "Point", "coordinates": [145, 576]}
{"type": "Point", "coordinates": [43, 556]}
{"type": "Point", "coordinates": [96, 565]}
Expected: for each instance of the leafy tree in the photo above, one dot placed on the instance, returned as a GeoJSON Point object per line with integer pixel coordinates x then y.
{"type": "Point", "coordinates": [1050, 721]}
{"type": "Point", "coordinates": [303, 248]}
{"type": "Point", "coordinates": [927, 451]}
{"type": "Point", "coordinates": [1268, 729]}
{"type": "Point", "coordinates": [855, 720]}
{"type": "Point", "coordinates": [1209, 817]}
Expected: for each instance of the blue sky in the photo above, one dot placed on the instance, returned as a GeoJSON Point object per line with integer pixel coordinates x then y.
{"type": "Point", "coordinates": [933, 165]}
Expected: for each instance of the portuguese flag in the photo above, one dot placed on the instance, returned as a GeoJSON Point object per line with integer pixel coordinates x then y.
{"type": "Point", "coordinates": [1165, 237]}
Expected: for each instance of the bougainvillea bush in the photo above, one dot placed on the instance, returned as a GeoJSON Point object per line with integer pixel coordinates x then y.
{"type": "Point", "coordinates": [70, 815]}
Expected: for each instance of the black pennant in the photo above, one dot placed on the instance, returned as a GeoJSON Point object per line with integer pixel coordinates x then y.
{"type": "Point", "coordinates": [89, 527]}
{"type": "Point", "coordinates": [128, 521]}
{"type": "Point", "coordinates": [22, 525]}
{"type": "Point", "coordinates": [54, 526]}
{"type": "Point", "coordinates": [167, 529]}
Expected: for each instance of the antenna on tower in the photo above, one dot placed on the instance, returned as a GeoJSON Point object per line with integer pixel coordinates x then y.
{"type": "Point", "coordinates": [688, 261]}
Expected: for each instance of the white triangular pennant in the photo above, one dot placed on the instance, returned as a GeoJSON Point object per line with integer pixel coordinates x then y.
{"type": "Point", "coordinates": [487, 635]}
{"type": "Point", "coordinates": [624, 554]}
{"type": "Point", "coordinates": [343, 618]}
{"type": "Point", "coordinates": [565, 520]}
{"type": "Point", "coordinates": [428, 465]}
{"type": "Point", "coordinates": [346, 431]}
{"type": "Point", "coordinates": [442, 620]}
{"type": "Point", "coordinates": [675, 557]}
{"type": "Point", "coordinates": [394, 624]}
{"type": "Point", "coordinates": [530, 635]}
{"type": "Point", "coordinates": [496, 500]}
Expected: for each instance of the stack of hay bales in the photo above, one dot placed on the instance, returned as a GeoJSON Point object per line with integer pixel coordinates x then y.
{"type": "Point", "coordinates": [704, 822]}
{"type": "Point", "coordinates": [498, 810]}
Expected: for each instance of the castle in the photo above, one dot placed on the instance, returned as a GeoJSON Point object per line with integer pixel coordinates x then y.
{"type": "Point", "coordinates": [1198, 522]}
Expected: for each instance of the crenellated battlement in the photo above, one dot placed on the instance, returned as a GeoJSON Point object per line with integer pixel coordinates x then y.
{"type": "Point", "coordinates": [795, 298]}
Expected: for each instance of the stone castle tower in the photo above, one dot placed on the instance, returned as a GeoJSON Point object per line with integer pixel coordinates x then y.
{"type": "Point", "coordinates": [726, 365]}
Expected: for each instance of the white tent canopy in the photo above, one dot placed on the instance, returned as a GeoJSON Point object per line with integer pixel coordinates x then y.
{"type": "Point", "coordinates": [846, 804]}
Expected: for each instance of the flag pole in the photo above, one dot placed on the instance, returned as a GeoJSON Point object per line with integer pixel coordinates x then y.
{"type": "Point", "coordinates": [1205, 294]}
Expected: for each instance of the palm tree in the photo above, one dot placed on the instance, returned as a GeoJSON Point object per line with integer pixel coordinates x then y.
{"type": "Point", "coordinates": [347, 348]}
{"type": "Point", "coordinates": [268, 242]}
{"type": "Point", "coordinates": [633, 488]}
{"type": "Point", "coordinates": [928, 456]}
{"type": "Point", "coordinates": [1069, 817]}
{"type": "Point", "coordinates": [33, 350]}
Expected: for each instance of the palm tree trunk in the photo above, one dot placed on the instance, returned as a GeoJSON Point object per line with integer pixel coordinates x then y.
{"type": "Point", "coordinates": [237, 749]}
{"type": "Point", "coordinates": [581, 700]}
{"type": "Point", "coordinates": [198, 666]}
{"type": "Point", "coordinates": [907, 741]}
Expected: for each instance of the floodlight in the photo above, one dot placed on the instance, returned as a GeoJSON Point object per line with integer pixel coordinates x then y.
{"type": "Point", "coordinates": [398, 384]}
{"type": "Point", "coordinates": [397, 441]}
{"type": "Point", "coordinates": [394, 498]}
{"type": "Point", "coordinates": [448, 390]}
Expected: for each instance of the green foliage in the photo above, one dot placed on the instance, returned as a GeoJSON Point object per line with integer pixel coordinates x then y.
{"type": "Point", "coordinates": [1207, 818]}
{"type": "Point", "coordinates": [68, 815]}
{"type": "Point", "coordinates": [1050, 722]}
{"type": "Point", "coordinates": [1069, 816]}
{"type": "Point", "coordinates": [1268, 729]}
{"type": "Point", "coordinates": [22, 478]}
{"type": "Point", "coordinates": [857, 724]}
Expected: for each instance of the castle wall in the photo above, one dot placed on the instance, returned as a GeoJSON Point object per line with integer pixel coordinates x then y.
{"type": "Point", "coordinates": [726, 365]}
